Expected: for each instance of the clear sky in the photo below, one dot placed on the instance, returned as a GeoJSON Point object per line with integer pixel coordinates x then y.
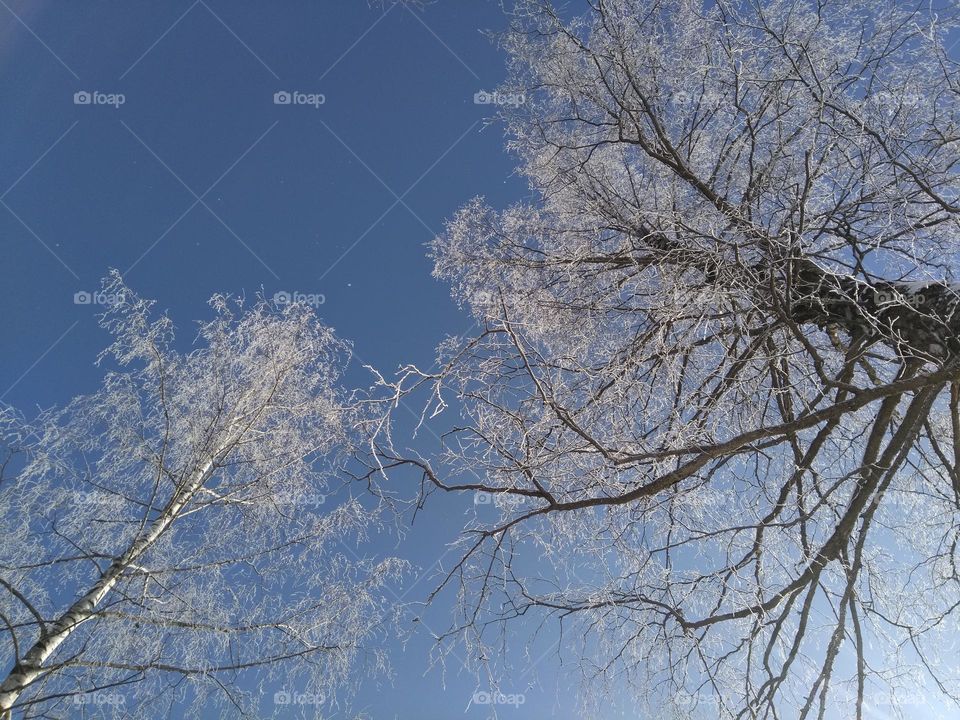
{"type": "Point", "coordinates": [195, 181]}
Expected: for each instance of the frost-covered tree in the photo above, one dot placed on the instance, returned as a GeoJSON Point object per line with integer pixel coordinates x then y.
{"type": "Point", "coordinates": [167, 544]}
{"type": "Point", "coordinates": [716, 390]}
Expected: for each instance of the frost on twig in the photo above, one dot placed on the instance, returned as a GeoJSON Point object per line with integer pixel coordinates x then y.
{"type": "Point", "coordinates": [176, 541]}
{"type": "Point", "coordinates": [712, 411]}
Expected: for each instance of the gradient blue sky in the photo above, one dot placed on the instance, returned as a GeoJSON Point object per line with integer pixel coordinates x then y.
{"type": "Point", "coordinates": [199, 183]}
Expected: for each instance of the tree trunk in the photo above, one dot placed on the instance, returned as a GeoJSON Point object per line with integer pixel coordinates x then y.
{"type": "Point", "coordinates": [30, 666]}
{"type": "Point", "coordinates": [917, 319]}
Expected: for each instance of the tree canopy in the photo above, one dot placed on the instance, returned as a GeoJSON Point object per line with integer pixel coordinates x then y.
{"type": "Point", "coordinates": [715, 386]}
{"type": "Point", "coordinates": [171, 543]}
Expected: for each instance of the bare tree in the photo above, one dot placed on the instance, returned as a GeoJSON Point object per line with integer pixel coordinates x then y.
{"type": "Point", "coordinates": [166, 546]}
{"type": "Point", "coordinates": [716, 392]}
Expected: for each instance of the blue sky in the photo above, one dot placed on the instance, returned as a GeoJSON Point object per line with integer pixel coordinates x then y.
{"type": "Point", "coordinates": [337, 199]}
{"type": "Point", "coordinates": [199, 183]}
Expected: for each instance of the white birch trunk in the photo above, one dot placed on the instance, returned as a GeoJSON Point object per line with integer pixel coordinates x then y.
{"type": "Point", "coordinates": [30, 666]}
